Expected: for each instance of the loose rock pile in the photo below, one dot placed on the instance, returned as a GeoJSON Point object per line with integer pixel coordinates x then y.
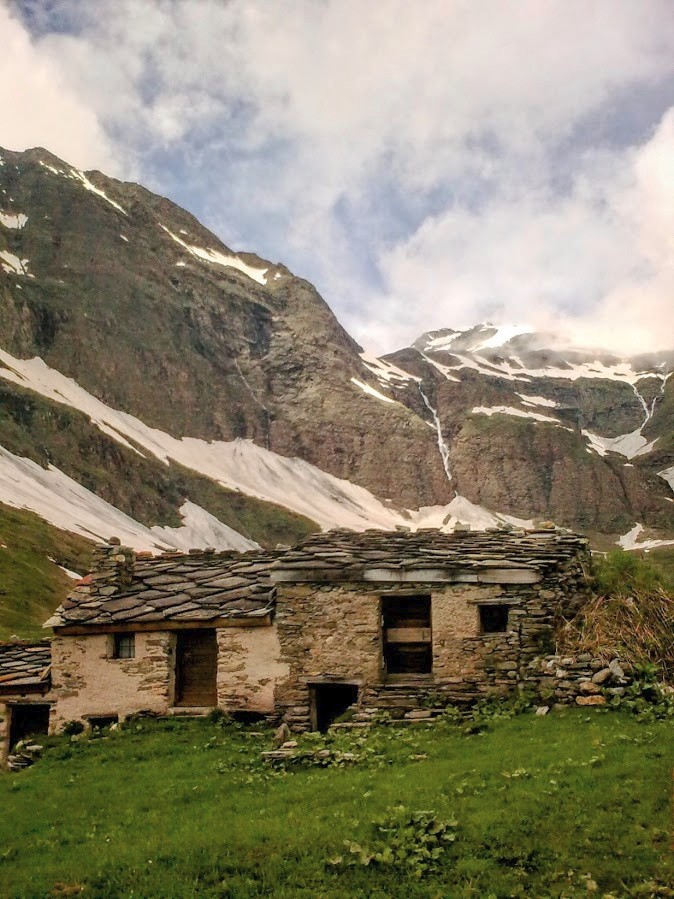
{"type": "Point", "coordinates": [23, 755]}
{"type": "Point", "coordinates": [582, 679]}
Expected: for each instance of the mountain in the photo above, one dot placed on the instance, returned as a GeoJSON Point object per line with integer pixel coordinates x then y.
{"type": "Point", "coordinates": [158, 386]}
{"type": "Point", "coordinates": [535, 426]}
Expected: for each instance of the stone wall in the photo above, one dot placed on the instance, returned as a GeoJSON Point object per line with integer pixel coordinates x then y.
{"type": "Point", "coordinates": [249, 664]}
{"type": "Point", "coordinates": [334, 631]}
{"type": "Point", "coordinates": [86, 681]}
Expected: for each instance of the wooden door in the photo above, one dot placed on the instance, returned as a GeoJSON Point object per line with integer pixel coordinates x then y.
{"type": "Point", "coordinates": [196, 668]}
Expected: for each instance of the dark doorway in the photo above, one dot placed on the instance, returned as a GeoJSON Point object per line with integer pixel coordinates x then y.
{"type": "Point", "coordinates": [329, 701]}
{"type": "Point", "coordinates": [27, 720]}
{"type": "Point", "coordinates": [406, 626]}
{"type": "Point", "coordinates": [196, 668]}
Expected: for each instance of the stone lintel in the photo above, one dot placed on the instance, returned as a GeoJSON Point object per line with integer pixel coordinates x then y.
{"type": "Point", "coordinates": [419, 576]}
{"type": "Point", "coordinates": [509, 576]}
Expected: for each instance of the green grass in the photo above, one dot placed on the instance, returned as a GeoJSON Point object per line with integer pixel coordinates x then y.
{"type": "Point", "coordinates": [545, 806]}
{"type": "Point", "coordinates": [663, 559]}
{"type": "Point", "coordinates": [31, 586]}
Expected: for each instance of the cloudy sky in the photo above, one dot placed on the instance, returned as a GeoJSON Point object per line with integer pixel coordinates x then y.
{"type": "Point", "coordinates": [425, 164]}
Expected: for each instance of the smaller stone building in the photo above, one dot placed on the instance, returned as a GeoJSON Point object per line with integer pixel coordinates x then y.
{"type": "Point", "coordinates": [384, 621]}
{"type": "Point", "coordinates": [24, 692]}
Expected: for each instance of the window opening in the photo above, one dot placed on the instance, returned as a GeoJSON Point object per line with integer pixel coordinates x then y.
{"type": "Point", "coordinates": [406, 623]}
{"type": "Point", "coordinates": [100, 721]}
{"type": "Point", "coordinates": [125, 646]}
{"type": "Point", "coordinates": [493, 619]}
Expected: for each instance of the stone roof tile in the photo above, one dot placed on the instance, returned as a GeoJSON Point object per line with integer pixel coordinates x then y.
{"type": "Point", "coordinates": [24, 665]}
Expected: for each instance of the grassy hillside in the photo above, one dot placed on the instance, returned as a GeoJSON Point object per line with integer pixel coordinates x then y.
{"type": "Point", "coordinates": [575, 803]}
{"type": "Point", "coordinates": [31, 586]}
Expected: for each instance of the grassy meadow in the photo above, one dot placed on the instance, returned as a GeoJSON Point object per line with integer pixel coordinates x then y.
{"type": "Point", "coordinates": [576, 803]}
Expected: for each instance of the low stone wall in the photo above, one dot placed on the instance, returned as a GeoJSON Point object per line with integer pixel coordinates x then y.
{"type": "Point", "coordinates": [583, 679]}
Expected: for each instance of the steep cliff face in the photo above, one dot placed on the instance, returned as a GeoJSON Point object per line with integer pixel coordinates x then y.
{"type": "Point", "coordinates": [129, 295]}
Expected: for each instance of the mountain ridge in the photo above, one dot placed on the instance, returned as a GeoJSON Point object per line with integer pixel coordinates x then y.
{"type": "Point", "coordinates": [164, 373]}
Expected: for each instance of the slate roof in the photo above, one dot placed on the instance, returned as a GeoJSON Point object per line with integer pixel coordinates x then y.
{"type": "Point", "coordinates": [24, 665]}
{"type": "Point", "coordinates": [205, 586]}
{"type": "Point", "coordinates": [350, 553]}
{"type": "Point", "coordinates": [175, 587]}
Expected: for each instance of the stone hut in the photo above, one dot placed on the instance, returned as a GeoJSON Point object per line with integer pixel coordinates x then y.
{"type": "Point", "coordinates": [403, 622]}
{"type": "Point", "coordinates": [384, 621]}
{"type": "Point", "coordinates": [24, 692]}
{"type": "Point", "coordinates": [172, 634]}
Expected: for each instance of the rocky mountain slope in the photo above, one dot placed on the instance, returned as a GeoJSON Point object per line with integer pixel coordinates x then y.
{"type": "Point", "coordinates": [158, 386]}
{"type": "Point", "coordinates": [533, 426]}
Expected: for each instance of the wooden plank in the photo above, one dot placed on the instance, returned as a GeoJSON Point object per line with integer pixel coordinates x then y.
{"type": "Point", "coordinates": [408, 635]}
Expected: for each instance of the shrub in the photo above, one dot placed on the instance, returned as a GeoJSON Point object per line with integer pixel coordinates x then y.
{"type": "Point", "coordinates": [414, 842]}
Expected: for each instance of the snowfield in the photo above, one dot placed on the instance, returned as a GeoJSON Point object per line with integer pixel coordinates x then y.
{"type": "Point", "coordinates": [238, 465]}
{"type": "Point", "coordinates": [63, 502]}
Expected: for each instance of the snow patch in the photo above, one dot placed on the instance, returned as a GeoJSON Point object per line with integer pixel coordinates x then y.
{"type": "Point", "coordinates": [45, 165]}
{"type": "Point", "coordinates": [12, 264]}
{"type": "Point", "coordinates": [442, 443]}
{"type": "Point", "coordinates": [668, 475]}
{"type": "Point", "coordinates": [72, 574]}
{"type": "Point", "coordinates": [628, 445]}
{"type": "Point", "coordinates": [13, 220]}
{"type": "Point", "coordinates": [63, 502]}
{"type": "Point", "coordinates": [218, 258]}
{"type": "Point", "coordinates": [528, 400]}
{"type": "Point", "coordinates": [77, 175]}
{"type": "Point", "coordinates": [386, 371]}
{"type": "Point", "coordinates": [238, 465]}
{"type": "Point", "coordinates": [504, 334]}
{"type": "Point", "coordinates": [80, 176]}
{"type": "Point", "coordinates": [200, 528]}
{"type": "Point", "coordinates": [630, 540]}
{"type": "Point", "coordinates": [371, 391]}
{"type": "Point", "coordinates": [510, 410]}
{"type": "Point", "coordinates": [124, 238]}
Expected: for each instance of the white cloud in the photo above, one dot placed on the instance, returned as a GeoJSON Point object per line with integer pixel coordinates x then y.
{"type": "Point", "coordinates": [38, 107]}
{"type": "Point", "coordinates": [461, 148]}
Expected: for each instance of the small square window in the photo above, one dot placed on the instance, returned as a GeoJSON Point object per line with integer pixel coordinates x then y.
{"type": "Point", "coordinates": [493, 619]}
{"type": "Point", "coordinates": [125, 646]}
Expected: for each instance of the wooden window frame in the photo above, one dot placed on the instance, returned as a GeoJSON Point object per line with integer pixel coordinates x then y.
{"type": "Point", "coordinates": [121, 640]}
{"type": "Point", "coordinates": [417, 636]}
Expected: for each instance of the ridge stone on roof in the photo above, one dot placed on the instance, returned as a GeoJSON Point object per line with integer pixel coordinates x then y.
{"type": "Point", "coordinates": [350, 553]}
{"type": "Point", "coordinates": [24, 664]}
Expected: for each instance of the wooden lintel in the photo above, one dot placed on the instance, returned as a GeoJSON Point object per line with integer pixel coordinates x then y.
{"type": "Point", "coordinates": [79, 630]}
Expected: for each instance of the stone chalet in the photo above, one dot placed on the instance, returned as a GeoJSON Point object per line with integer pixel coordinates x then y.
{"type": "Point", "coordinates": [393, 621]}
